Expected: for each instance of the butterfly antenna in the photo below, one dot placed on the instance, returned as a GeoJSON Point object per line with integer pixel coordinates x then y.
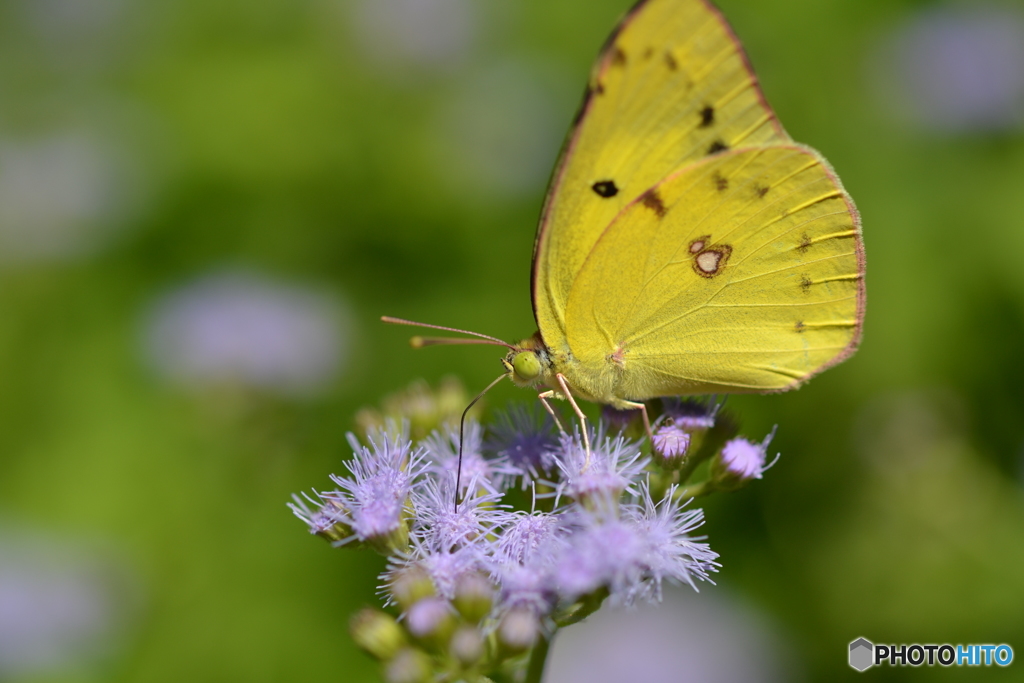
{"type": "Point", "coordinates": [419, 342]}
{"type": "Point", "coordinates": [462, 432]}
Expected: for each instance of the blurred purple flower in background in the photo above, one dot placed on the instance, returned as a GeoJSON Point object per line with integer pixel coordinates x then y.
{"type": "Point", "coordinates": [77, 33]}
{"type": "Point", "coordinates": [415, 35]}
{"type": "Point", "coordinates": [955, 68]}
{"type": "Point", "coordinates": [61, 606]}
{"type": "Point", "coordinates": [500, 131]}
{"type": "Point", "coordinates": [236, 327]}
{"type": "Point", "coordinates": [692, 637]}
{"type": "Point", "coordinates": [61, 196]}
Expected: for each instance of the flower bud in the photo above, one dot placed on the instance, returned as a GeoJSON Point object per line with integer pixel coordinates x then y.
{"type": "Point", "coordinates": [377, 633]}
{"type": "Point", "coordinates": [671, 442]}
{"type": "Point", "coordinates": [392, 541]}
{"type": "Point", "coordinates": [431, 620]}
{"type": "Point", "coordinates": [693, 417]}
{"type": "Point", "coordinates": [738, 462]}
{"type": "Point", "coordinates": [328, 520]}
{"type": "Point", "coordinates": [421, 406]}
{"type": "Point", "coordinates": [518, 630]}
{"type": "Point", "coordinates": [474, 597]}
{"type": "Point", "coordinates": [408, 666]}
{"type": "Point", "coordinates": [467, 645]}
{"type": "Point", "coordinates": [411, 585]}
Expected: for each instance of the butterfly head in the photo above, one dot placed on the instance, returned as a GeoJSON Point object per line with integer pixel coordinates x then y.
{"type": "Point", "coordinates": [528, 362]}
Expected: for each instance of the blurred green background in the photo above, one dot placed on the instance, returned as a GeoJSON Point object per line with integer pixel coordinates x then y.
{"type": "Point", "coordinates": [206, 205]}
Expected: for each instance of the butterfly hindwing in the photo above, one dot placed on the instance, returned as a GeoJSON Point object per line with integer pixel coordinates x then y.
{"type": "Point", "coordinates": [742, 272]}
{"type": "Point", "coordinates": [671, 87]}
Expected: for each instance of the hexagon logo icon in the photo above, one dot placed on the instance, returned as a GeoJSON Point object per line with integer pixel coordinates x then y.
{"type": "Point", "coordinates": [862, 654]}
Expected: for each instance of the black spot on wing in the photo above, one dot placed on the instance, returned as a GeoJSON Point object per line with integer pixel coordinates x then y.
{"type": "Point", "coordinates": [716, 147]}
{"type": "Point", "coordinates": [761, 190]}
{"type": "Point", "coordinates": [721, 182]}
{"type": "Point", "coordinates": [653, 201]}
{"type": "Point", "coordinates": [707, 116]}
{"type": "Point", "coordinates": [670, 61]}
{"type": "Point", "coordinates": [805, 283]}
{"type": "Point", "coordinates": [799, 327]}
{"type": "Point", "coordinates": [618, 57]}
{"type": "Point", "coordinates": [605, 188]}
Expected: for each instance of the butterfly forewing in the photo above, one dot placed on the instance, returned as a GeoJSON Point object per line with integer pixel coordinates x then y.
{"type": "Point", "coordinates": [671, 87]}
{"type": "Point", "coordinates": [742, 272]}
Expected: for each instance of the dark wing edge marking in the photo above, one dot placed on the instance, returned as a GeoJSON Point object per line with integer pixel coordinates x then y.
{"type": "Point", "coordinates": [858, 241]}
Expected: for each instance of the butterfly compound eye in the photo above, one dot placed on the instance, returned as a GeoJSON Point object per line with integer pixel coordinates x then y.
{"type": "Point", "coordinates": [526, 366]}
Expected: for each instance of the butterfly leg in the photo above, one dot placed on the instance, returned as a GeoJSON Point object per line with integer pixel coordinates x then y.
{"type": "Point", "coordinates": [642, 407]}
{"type": "Point", "coordinates": [564, 384]}
{"type": "Point", "coordinates": [544, 396]}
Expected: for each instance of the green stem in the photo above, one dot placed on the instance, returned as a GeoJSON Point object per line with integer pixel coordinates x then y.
{"type": "Point", "coordinates": [588, 606]}
{"type": "Point", "coordinates": [538, 659]}
{"type": "Point", "coordinates": [696, 491]}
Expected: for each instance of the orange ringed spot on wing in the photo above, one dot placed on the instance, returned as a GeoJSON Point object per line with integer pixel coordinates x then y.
{"type": "Point", "coordinates": [710, 261]}
{"type": "Point", "coordinates": [698, 244]}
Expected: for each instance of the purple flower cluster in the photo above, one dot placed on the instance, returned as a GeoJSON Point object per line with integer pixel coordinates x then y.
{"type": "Point", "coordinates": [539, 534]}
{"type": "Point", "coordinates": [602, 530]}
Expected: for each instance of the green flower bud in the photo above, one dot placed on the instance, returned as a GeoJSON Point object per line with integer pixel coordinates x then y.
{"type": "Point", "coordinates": [410, 586]}
{"type": "Point", "coordinates": [518, 630]}
{"type": "Point", "coordinates": [377, 633]}
{"type": "Point", "coordinates": [432, 621]}
{"type": "Point", "coordinates": [409, 666]}
{"type": "Point", "coordinates": [424, 407]}
{"type": "Point", "coordinates": [467, 645]}
{"type": "Point", "coordinates": [474, 597]}
{"type": "Point", "coordinates": [394, 541]}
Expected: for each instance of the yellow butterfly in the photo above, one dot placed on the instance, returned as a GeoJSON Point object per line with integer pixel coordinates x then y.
{"type": "Point", "coordinates": [687, 245]}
